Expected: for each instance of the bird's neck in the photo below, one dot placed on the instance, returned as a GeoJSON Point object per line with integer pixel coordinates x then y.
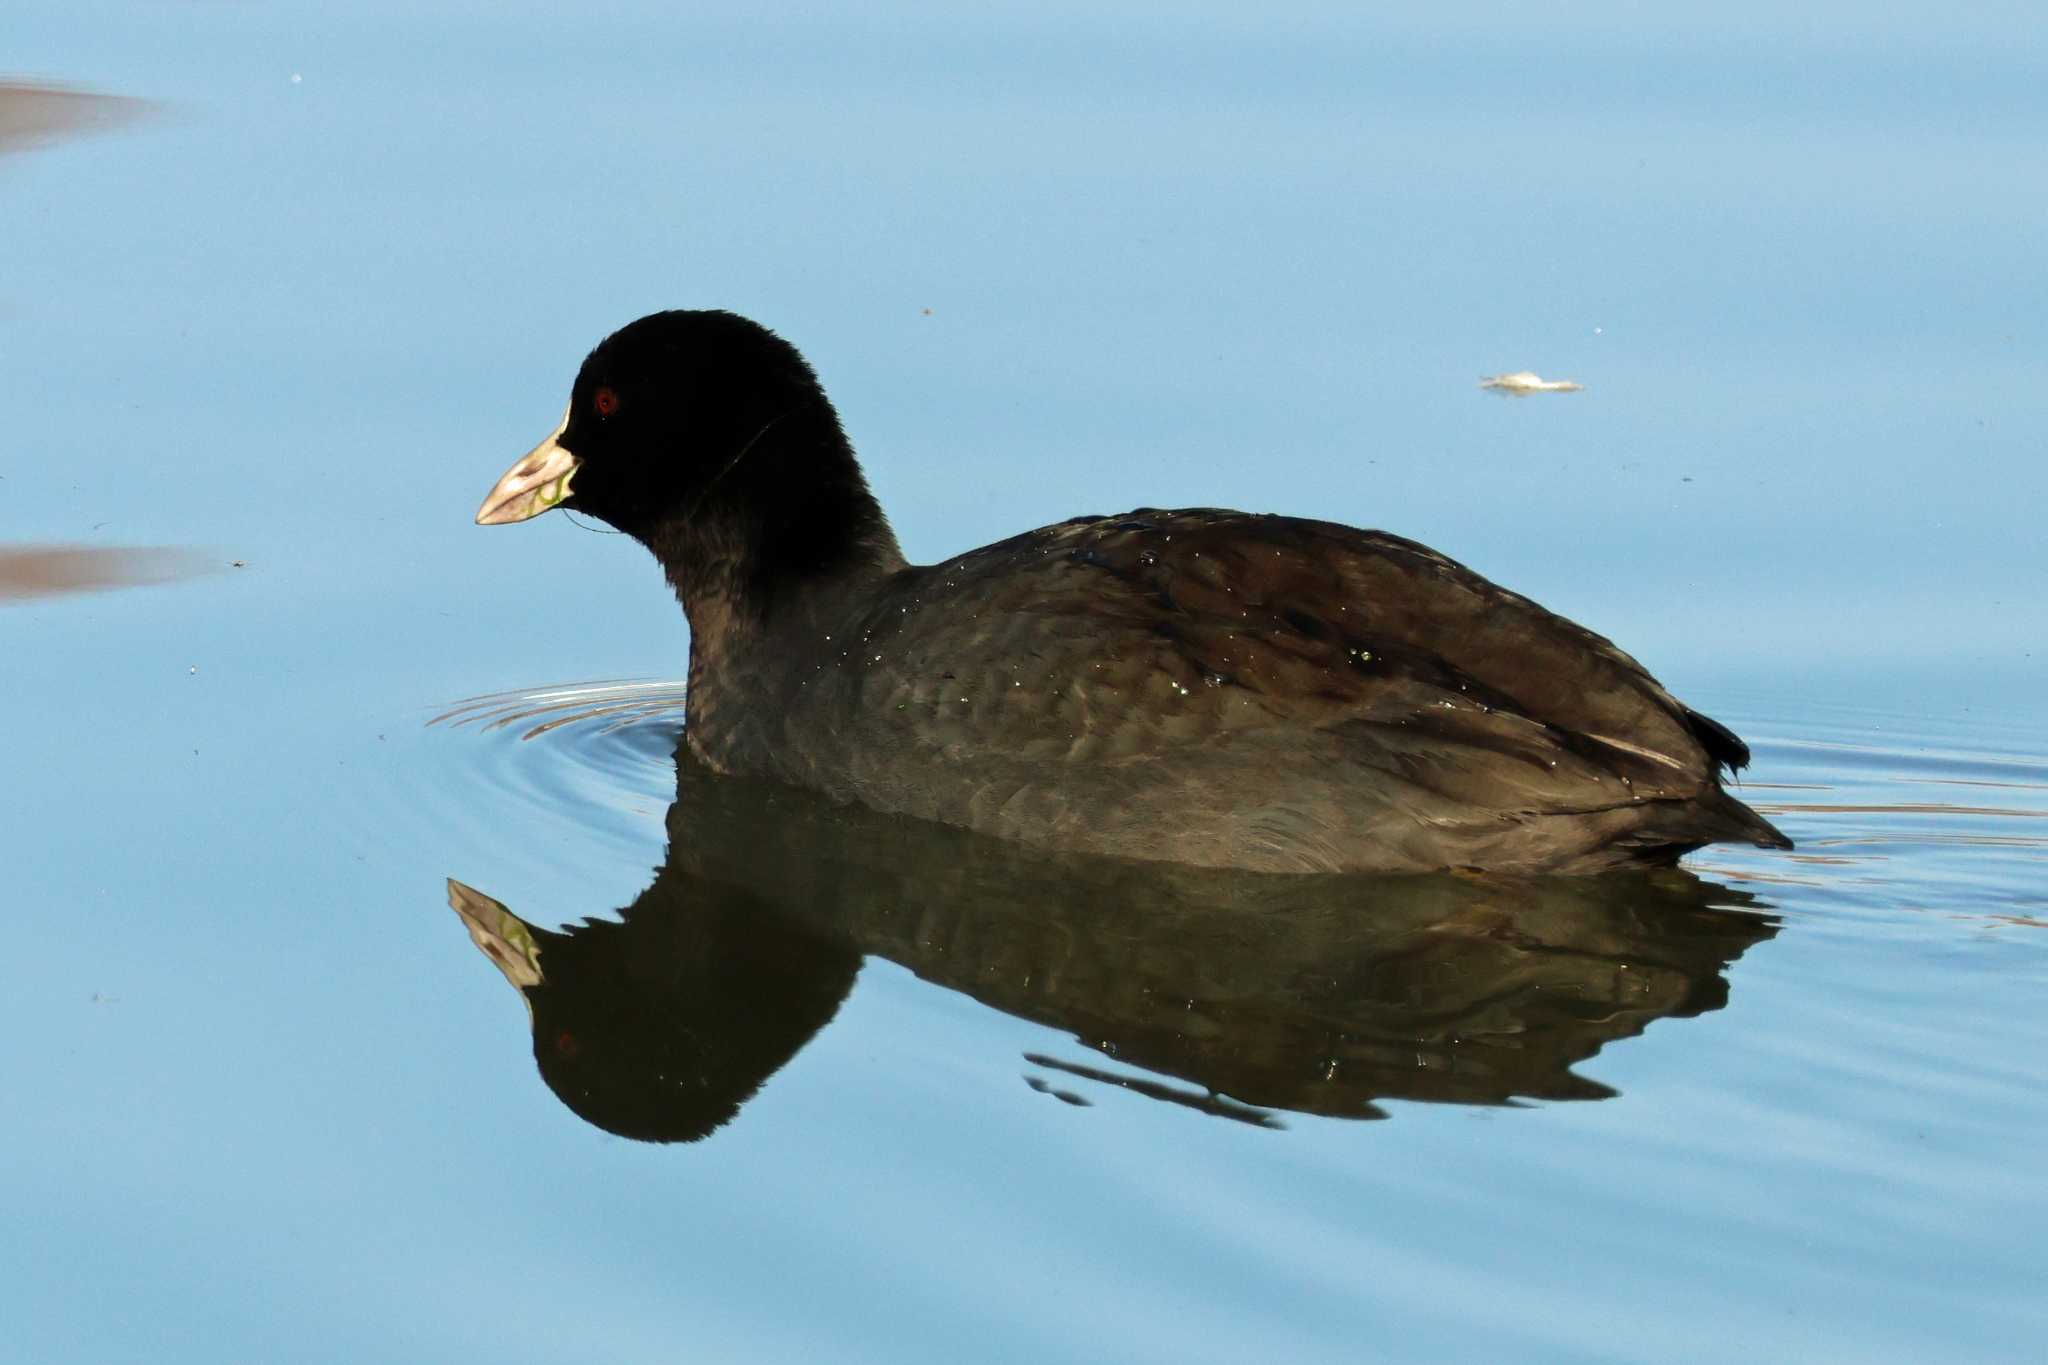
{"type": "Point", "coordinates": [753, 619]}
{"type": "Point", "coordinates": [735, 577]}
{"type": "Point", "coordinates": [782, 540]}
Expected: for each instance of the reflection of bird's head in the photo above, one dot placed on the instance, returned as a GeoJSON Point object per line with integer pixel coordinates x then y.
{"type": "Point", "coordinates": [660, 1027]}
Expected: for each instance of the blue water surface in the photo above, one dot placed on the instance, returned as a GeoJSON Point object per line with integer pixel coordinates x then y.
{"type": "Point", "coordinates": [267, 1102]}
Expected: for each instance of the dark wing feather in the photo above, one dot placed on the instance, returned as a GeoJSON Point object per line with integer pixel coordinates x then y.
{"type": "Point", "coordinates": [1165, 655]}
{"type": "Point", "coordinates": [1310, 622]}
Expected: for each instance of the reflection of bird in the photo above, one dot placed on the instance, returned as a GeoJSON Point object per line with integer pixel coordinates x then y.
{"type": "Point", "coordinates": [1197, 686]}
{"type": "Point", "coordinates": [662, 1027]}
{"type": "Point", "coordinates": [1524, 382]}
{"type": "Point", "coordinates": [1315, 994]}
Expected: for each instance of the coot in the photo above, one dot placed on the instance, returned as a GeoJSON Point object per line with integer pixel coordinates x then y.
{"type": "Point", "coordinates": [1196, 686]}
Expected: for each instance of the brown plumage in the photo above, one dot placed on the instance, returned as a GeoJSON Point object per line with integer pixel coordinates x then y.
{"type": "Point", "coordinates": [1196, 686]}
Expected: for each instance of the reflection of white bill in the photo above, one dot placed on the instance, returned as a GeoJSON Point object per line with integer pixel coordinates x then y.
{"type": "Point", "coordinates": [1528, 381]}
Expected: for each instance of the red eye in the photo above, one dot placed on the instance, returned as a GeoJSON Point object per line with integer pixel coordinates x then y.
{"type": "Point", "coordinates": [606, 402]}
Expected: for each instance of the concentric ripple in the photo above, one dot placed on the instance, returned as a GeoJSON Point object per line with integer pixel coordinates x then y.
{"type": "Point", "coordinates": [616, 705]}
{"type": "Point", "coordinates": [598, 755]}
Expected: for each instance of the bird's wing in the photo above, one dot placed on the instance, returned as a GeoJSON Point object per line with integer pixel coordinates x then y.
{"type": "Point", "coordinates": [1112, 638]}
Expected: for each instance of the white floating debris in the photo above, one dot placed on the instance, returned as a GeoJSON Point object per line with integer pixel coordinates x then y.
{"type": "Point", "coordinates": [1528, 381]}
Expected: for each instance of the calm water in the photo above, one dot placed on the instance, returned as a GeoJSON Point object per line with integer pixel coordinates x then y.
{"type": "Point", "coordinates": [267, 336]}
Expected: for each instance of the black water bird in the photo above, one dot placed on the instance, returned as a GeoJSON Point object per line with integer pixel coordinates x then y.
{"type": "Point", "coordinates": [1196, 686]}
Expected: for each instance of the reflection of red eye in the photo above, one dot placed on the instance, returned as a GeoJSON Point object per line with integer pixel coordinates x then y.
{"type": "Point", "coordinates": [606, 402]}
{"type": "Point", "coordinates": [565, 1041]}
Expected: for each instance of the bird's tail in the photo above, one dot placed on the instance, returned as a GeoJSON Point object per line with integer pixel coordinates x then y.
{"type": "Point", "coordinates": [1733, 822]}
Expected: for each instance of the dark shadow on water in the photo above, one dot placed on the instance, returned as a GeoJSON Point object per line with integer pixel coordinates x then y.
{"type": "Point", "coordinates": [1231, 994]}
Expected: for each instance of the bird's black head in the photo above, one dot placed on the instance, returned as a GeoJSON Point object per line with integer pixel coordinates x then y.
{"type": "Point", "coordinates": [708, 438]}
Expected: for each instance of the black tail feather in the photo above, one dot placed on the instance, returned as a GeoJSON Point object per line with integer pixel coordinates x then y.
{"type": "Point", "coordinates": [1721, 743]}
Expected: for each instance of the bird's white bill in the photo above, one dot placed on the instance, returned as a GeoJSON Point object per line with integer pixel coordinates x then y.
{"type": "Point", "coordinates": [532, 486]}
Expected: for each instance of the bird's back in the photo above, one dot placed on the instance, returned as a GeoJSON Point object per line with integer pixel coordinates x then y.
{"type": "Point", "coordinates": [1220, 688]}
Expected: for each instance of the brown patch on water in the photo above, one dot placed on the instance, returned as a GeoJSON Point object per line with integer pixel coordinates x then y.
{"type": "Point", "coordinates": [48, 570]}
{"type": "Point", "coordinates": [33, 114]}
